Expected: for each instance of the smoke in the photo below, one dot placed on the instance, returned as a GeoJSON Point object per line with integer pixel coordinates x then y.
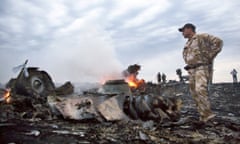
{"type": "Point", "coordinates": [79, 55]}
{"type": "Point", "coordinates": [83, 56]}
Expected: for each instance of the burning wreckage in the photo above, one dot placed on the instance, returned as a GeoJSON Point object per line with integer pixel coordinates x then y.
{"type": "Point", "coordinates": [34, 110]}
{"type": "Point", "coordinates": [116, 100]}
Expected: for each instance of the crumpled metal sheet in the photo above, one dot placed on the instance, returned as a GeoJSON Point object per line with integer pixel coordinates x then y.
{"type": "Point", "coordinates": [77, 108]}
{"type": "Point", "coordinates": [80, 108]}
{"type": "Point", "coordinates": [111, 110]}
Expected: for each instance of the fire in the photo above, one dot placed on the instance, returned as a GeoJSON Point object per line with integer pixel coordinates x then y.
{"type": "Point", "coordinates": [7, 95]}
{"type": "Point", "coordinates": [133, 82]}
{"type": "Point", "coordinates": [130, 76]}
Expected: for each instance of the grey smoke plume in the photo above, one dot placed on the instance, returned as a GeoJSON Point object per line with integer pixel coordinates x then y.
{"type": "Point", "coordinates": [83, 55]}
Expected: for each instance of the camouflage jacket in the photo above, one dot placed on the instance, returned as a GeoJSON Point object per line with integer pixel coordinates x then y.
{"type": "Point", "coordinates": [201, 48]}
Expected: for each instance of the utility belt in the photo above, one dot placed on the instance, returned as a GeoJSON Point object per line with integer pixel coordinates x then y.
{"type": "Point", "coordinates": [193, 66]}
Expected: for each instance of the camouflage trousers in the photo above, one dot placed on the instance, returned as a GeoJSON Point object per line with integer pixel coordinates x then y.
{"type": "Point", "coordinates": [198, 84]}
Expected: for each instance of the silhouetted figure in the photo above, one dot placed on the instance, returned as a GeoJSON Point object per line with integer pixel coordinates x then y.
{"type": "Point", "coordinates": [159, 78]}
{"type": "Point", "coordinates": [234, 75]}
{"type": "Point", "coordinates": [179, 73]}
{"type": "Point", "coordinates": [164, 77]}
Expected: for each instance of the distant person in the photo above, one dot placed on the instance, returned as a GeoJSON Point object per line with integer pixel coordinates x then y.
{"type": "Point", "coordinates": [159, 78]}
{"type": "Point", "coordinates": [164, 78]}
{"type": "Point", "coordinates": [179, 73]}
{"type": "Point", "coordinates": [199, 53]}
{"type": "Point", "coordinates": [234, 75]}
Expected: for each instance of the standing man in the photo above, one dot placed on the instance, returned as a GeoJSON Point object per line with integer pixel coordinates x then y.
{"type": "Point", "coordinates": [234, 75]}
{"type": "Point", "coordinates": [199, 53]}
{"type": "Point", "coordinates": [164, 78]}
{"type": "Point", "coordinates": [159, 78]}
{"type": "Point", "coordinates": [179, 73]}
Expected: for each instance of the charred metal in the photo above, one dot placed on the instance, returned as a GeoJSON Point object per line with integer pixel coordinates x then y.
{"type": "Point", "coordinates": [33, 109]}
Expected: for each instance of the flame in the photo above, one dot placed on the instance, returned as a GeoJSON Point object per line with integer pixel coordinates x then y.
{"type": "Point", "coordinates": [7, 95]}
{"type": "Point", "coordinates": [133, 82]}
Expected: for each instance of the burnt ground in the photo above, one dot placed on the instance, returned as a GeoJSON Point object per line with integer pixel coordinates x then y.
{"type": "Point", "coordinates": [225, 128]}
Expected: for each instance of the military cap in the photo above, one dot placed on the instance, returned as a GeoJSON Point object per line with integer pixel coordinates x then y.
{"type": "Point", "coordinates": [187, 25]}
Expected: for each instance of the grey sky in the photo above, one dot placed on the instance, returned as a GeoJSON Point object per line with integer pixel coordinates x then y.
{"type": "Point", "coordinates": [82, 40]}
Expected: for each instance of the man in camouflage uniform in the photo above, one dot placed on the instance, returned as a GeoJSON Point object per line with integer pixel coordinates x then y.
{"type": "Point", "coordinates": [199, 53]}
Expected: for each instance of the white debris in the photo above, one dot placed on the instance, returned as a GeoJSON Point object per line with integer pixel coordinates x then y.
{"type": "Point", "coordinates": [33, 132]}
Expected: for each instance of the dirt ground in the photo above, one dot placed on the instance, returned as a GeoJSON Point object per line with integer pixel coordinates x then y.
{"type": "Point", "coordinates": [225, 128]}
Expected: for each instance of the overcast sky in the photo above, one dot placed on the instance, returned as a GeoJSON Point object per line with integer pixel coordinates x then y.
{"type": "Point", "coordinates": [93, 40]}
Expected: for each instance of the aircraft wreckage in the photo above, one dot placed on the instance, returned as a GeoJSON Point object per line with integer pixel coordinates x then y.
{"type": "Point", "coordinates": [116, 100]}
{"type": "Point", "coordinates": [127, 110]}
